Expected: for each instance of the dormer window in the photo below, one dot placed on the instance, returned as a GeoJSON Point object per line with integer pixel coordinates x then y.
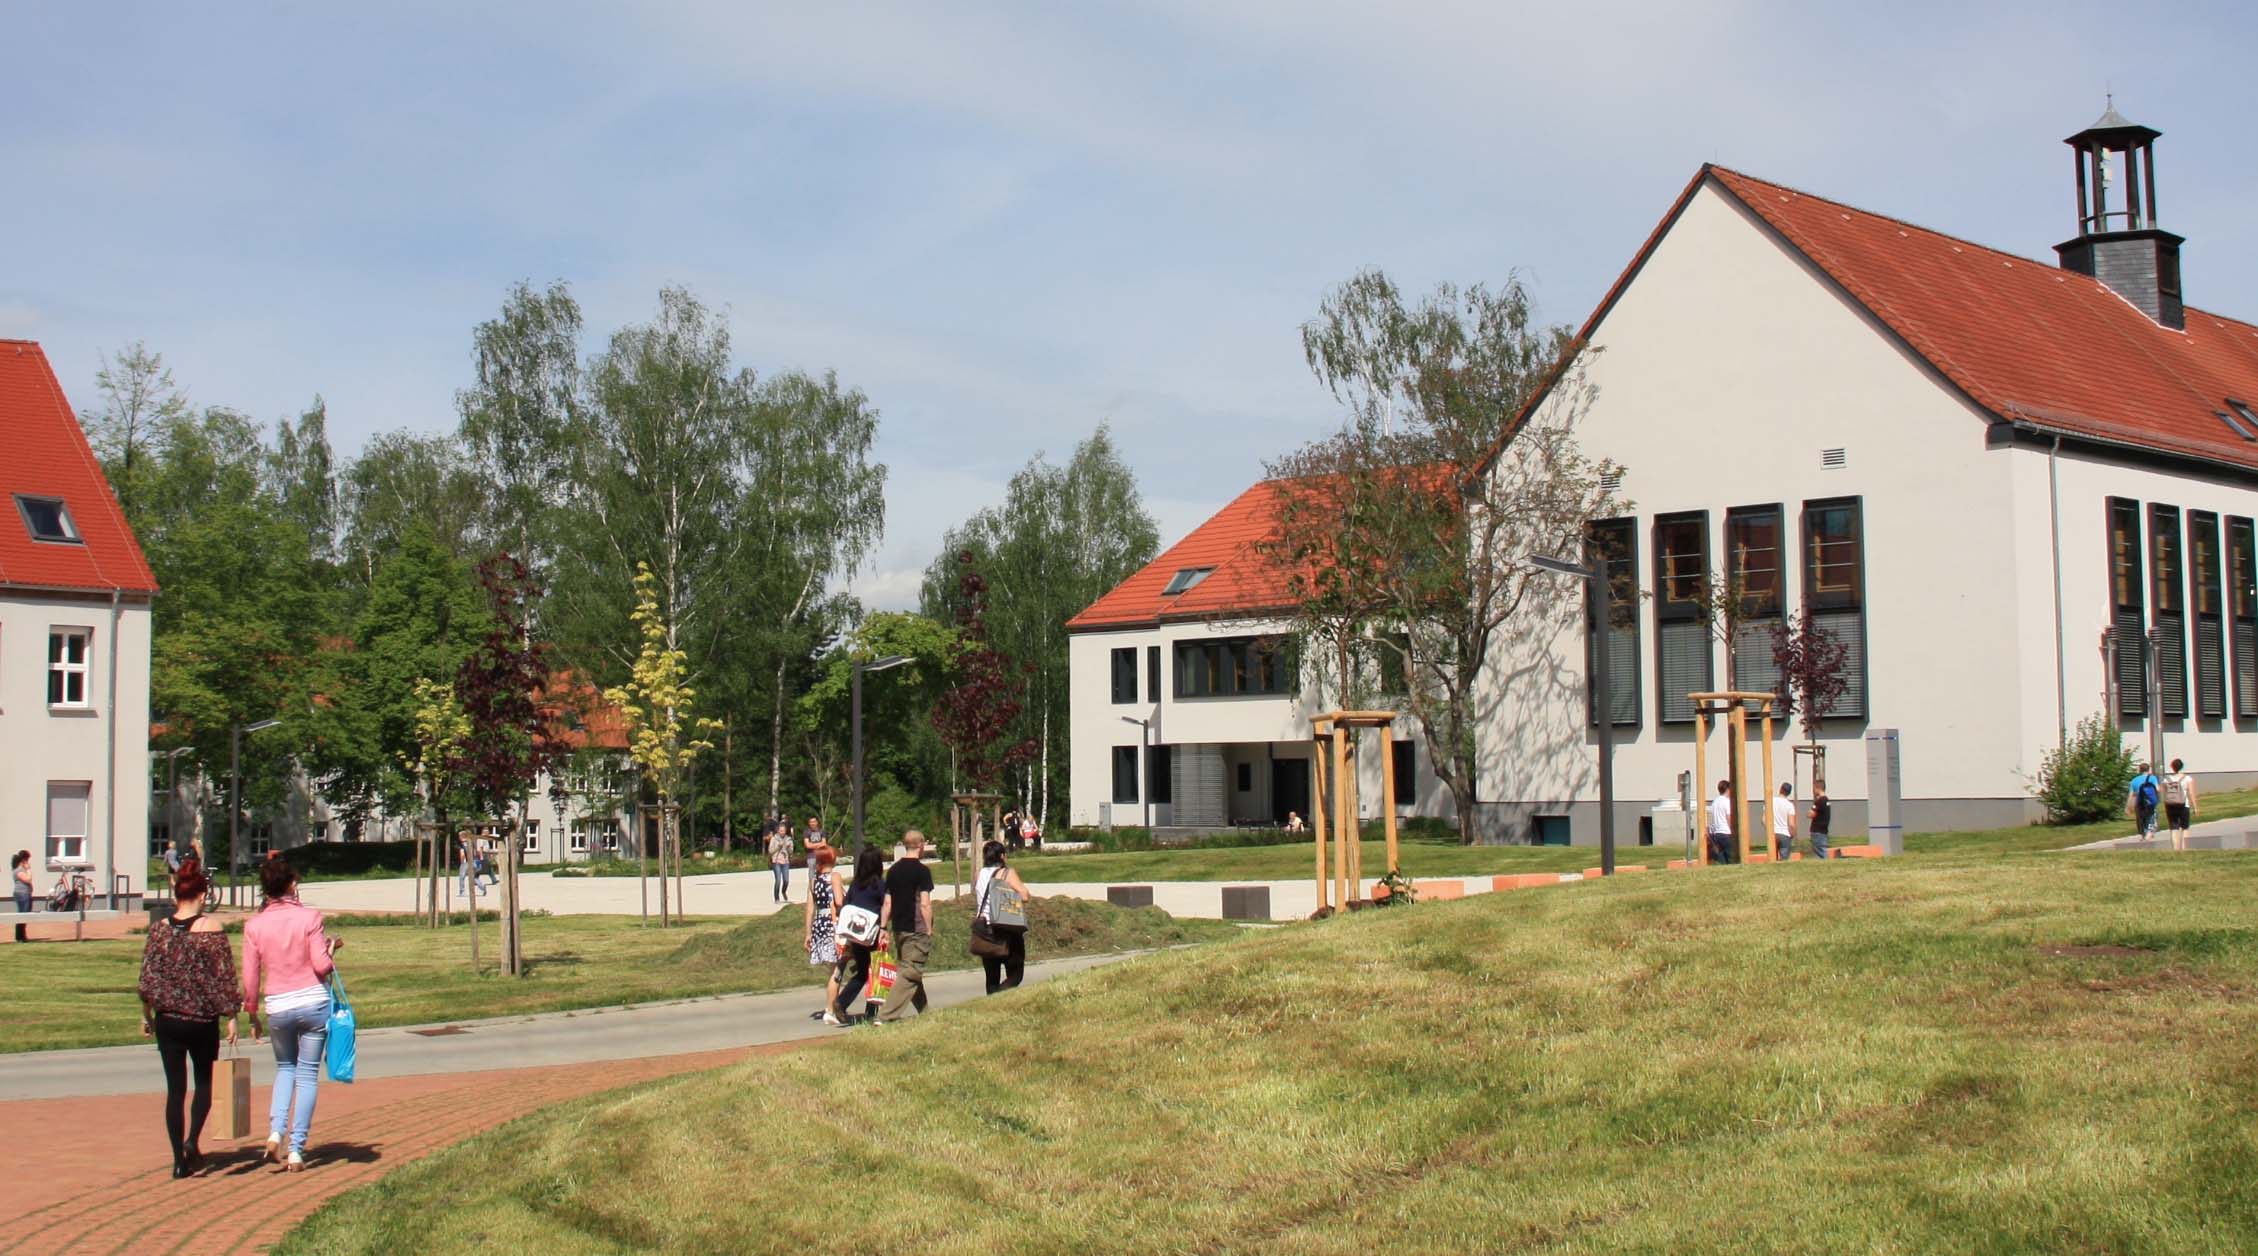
{"type": "Point", "coordinates": [47, 519]}
{"type": "Point", "coordinates": [1184, 580]}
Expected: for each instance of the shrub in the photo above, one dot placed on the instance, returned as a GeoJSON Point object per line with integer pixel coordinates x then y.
{"type": "Point", "coordinates": [2085, 780]}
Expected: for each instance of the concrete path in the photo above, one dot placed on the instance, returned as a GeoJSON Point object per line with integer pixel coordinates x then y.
{"type": "Point", "coordinates": [2240, 833]}
{"type": "Point", "coordinates": [88, 1170]}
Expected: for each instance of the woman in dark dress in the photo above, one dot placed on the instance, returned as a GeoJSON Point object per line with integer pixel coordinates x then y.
{"type": "Point", "coordinates": [188, 987]}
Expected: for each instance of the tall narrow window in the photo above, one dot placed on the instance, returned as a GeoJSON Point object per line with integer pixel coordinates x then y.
{"type": "Point", "coordinates": [1406, 752]}
{"type": "Point", "coordinates": [1160, 774]}
{"type": "Point", "coordinates": [2128, 624]}
{"type": "Point", "coordinates": [1752, 564]}
{"type": "Point", "coordinates": [67, 650]}
{"type": "Point", "coordinates": [2210, 614]}
{"type": "Point", "coordinates": [2242, 610]}
{"type": "Point", "coordinates": [2167, 586]}
{"type": "Point", "coordinates": [1681, 638]}
{"type": "Point", "coordinates": [1125, 773]}
{"type": "Point", "coordinates": [1125, 676]}
{"type": "Point", "coordinates": [1152, 672]}
{"type": "Point", "coordinates": [1617, 540]}
{"type": "Point", "coordinates": [1834, 587]}
{"type": "Point", "coordinates": [69, 807]}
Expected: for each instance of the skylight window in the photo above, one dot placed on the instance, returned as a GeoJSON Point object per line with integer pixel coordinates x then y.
{"type": "Point", "coordinates": [2247, 431]}
{"type": "Point", "coordinates": [1184, 580]}
{"type": "Point", "coordinates": [47, 519]}
{"type": "Point", "coordinates": [2249, 420]}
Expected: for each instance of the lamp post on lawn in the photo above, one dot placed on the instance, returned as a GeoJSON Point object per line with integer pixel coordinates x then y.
{"type": "Point", "coordinates": [235, 799]}
{"type": "Point", "coordinates": [1145, 769]}
{"type": "Point", "coordinates": [875, 665]}
{"type": "Point", "coordinates": [1594, 575]}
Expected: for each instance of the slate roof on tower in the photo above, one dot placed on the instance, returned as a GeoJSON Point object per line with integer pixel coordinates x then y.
{"type": "Point", "coordinates": [48, 460]}
{"type": "Point", "coordinates": [2025, 340]}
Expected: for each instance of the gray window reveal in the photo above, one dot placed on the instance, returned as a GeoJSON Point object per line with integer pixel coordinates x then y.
{"type": "Point", "coordinates": [2208, 598]}
{"type": "Point", "coordinates": [47, 519]}
{"type": "Point", "coordinates": [1617, 540]}
{"type": "Point", "coordinates": [1184, 580]}
{"type": "Point", "coordinates": [2128, 623]}
{"type": "Point", "coordinates": [1834, 588]}
{"type": "Point", "coordinates": [2242, 610]}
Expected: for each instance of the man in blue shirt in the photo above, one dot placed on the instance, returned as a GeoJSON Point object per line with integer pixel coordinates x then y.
{"type": "Point", "coordinates": [2140, 800]}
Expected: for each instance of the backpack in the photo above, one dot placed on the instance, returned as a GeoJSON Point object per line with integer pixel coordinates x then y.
{"type": "Point", "coordinates": [2175, 791]}
{"type": "Point", "coordinates": [2148, 791]}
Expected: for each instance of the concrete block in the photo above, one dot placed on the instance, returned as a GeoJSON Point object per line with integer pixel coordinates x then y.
{"type": "Point", "coordinates": [1429, 890]}
{"type": "Point", "coordinates": [1245, 902]}
{"type": "Point", "coordinates": [1129, 895]}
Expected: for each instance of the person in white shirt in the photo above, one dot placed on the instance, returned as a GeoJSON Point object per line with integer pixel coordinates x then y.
{"type": "Point", "coordinates": [1721, 848]}
{"type": "Point", "coordinates": [2178, 791]}
{"type": "Point", "coordinates": [1783, 821]}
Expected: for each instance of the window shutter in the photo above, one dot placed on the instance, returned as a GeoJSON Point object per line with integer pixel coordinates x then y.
{"type": "Point", "coordinates": [1755, 669]}
{"type": "Point", "coordinates": [2210, 673]}
{"type": "Point", "coordinates": [1848, 627]}
{"type": "Point", "coordinates": [2132, 673]}
{"type": "Point", "coordinates": [2246, 667]}
{"type": "Point", "coordinates": [1684, 666]}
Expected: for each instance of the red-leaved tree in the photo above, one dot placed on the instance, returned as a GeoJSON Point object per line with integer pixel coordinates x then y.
{"type": "Point", "coordinates": [973, 715]}
{"type": "Point", "coordinates": [1814, 666]}
{"type": "Point", "coordinates": [511, 742]}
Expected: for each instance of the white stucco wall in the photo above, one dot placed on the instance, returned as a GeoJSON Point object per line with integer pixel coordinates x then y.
{"type": "Point", "coordinates": [1725, 369]}
{"type": "Point", "coordinates": [39, 745]}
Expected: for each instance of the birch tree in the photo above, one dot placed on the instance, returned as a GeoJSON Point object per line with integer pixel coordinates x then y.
{"type": "Point", "coordinates": [518, 417]}
{"type": "Point", "coordinates": [138, 398]}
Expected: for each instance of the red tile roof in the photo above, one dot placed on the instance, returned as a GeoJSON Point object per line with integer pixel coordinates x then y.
{"type": "Point", "coordinates": [47, 456]}
{"type": "Point", "coordinates": [579, 716]}
{"type": "Point", "coordinates": [1243, 582]}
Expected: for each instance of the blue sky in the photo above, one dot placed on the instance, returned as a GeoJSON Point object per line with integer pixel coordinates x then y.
{"type": "Point", "coordinates": [1006, 223]}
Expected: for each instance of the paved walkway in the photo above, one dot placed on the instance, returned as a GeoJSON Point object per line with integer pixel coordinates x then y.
{"type": "Point", "coordinates": [102, 1182]}
{"type": "Point", "coordinates": [2240, 833]}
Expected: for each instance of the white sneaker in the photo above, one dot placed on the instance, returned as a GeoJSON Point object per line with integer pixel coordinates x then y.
{"type": "Point", "coordinates": [832, 1018]}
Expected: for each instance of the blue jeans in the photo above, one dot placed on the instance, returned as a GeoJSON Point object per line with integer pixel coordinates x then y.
{"type": "Point", "coordinates": [1818, 844]}
{"type": "Point", "coordinates": [783, 874]}
{"type": "Point", "coordinates": [299, 1036]}
{"type": "Point", "coordinates": [2145, 813]}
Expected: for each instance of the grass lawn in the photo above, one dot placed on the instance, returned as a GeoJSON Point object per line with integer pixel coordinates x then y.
{"type": "Point", "coordinates": [82, 994]}
{"type": "Point", "coordinates": [1285, 863]}
{"type": "Point", "coordinates": [1977, 1049]}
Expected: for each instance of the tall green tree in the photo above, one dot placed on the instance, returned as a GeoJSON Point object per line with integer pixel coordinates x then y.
{"type": "Point", "coordinates": [402, 481]}
{"type": "Point", "coordinates": [138, 402]}
{"type": "Point", "coordinates": [518, 417]}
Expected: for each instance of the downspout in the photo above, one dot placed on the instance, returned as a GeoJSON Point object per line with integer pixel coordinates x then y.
{"type": "Point", "coordinates": [110, 765]}
{"type": "Point", "coordinates": [2054, 526]}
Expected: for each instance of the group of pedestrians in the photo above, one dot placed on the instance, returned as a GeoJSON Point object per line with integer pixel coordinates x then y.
{"type": "Point", "coordinates": [2174, 792]}
{"type": "Point", "coordinates": [876, 915]}
{"type": "Point", "coordinates": [1721, 827]}
{"type": "Point", "coordinates": [190, 993]}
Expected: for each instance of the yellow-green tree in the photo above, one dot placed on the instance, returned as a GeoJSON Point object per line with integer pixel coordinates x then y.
{"type": "Point", "coordinates": [662, 736]}
{"type": "Point", "coordinates": [442, 729]}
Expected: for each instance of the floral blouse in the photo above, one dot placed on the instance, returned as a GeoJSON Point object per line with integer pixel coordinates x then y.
{"type": "Point", "coordinates": [189, 975]}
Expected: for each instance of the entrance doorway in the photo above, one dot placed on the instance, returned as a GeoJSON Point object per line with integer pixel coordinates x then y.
{"type": "Point", "coordinates": [1289, 788]}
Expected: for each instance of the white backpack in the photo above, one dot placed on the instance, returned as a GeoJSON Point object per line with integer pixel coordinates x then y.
{"type": "Point", "coordinates": [2175, 790]}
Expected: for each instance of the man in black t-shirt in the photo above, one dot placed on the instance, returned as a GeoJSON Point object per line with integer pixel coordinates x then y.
{"type": "Point", "coordinates": [908, 911]}
{"type": "Point", "coordinates": [1822, 816]}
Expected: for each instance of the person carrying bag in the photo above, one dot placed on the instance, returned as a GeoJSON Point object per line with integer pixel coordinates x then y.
{"type": "Point", "coordinates": [341, 1030]}
{"type": "Point", "coordinates": [999, 925]}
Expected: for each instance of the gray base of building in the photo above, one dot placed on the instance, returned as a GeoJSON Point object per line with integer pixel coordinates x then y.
{"type": "Point", "coordinates": [1526, 823]}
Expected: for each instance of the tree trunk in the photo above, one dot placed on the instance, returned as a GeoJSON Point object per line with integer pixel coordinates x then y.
{"type": "Point", "coordinates": [514, 937]}
{"type": "Point", "coordinates": [666, 823]}
{"type": "Point", "coordinates": [776, 739]}
{"type": "Point", "coordinates": [728, 816]}
{"type": "Point", "coordinates": [1043, 808]}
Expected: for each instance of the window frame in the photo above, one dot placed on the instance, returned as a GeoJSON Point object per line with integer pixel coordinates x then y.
{"type": "Point", "coordinates": [2167, 585]}
{"type": "Point", "coordinates": [1618, 541]}
{"type": "Point", "coordinates": [1126, 795]}
{"type": "Point", "coordinates": [1406, 774]}
{"type": "Point", "coordinates": [1123, 666]}
{"type": "Point", "coordinates": [60, 669]}
{"type": "Point", "coordinates": [56, 861]}
{"type": "Point", "coordinates": [1837, 603]}
{"type": "Point", "coordinates": [1234, 667]}
{"type": "Point", "coordinates": [2128, 604]}
{"type": "Point", "coordinates": [1671, 613]}
{"type": "Point", "coordinates": [1756, 614]}
{"type": "Point", "coordinates": [1152, 673]}
{"type": "Point", "coordinates": [2207, 604]}
{"type": "Point", "coordinates": [2241, 581]}
{"type": "Point", "coordinates": [1160, 783]}
{"type": "Point", "coordinates": [1185, 580]}
{"type": "Point", "coordinates": [70, 533]}
{"type": "Point", "coordinates": [576, 837]}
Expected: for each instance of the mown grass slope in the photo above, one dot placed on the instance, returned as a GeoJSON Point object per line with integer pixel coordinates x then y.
{"type": "Point", "coordinates": [2032, 1053]}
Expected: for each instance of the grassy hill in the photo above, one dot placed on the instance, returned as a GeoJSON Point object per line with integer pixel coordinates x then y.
{"type": "Point", "coordinates": [2026, 1053]}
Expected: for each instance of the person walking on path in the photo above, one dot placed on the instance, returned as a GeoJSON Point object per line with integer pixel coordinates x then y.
{"type": "Point", "coordinates": [286, 962]}
{"type": "Point", "coordinates": [780, 863]}
{"type": "Point", "coordinates": [1822, 819]}
{"type": "Point", "coordinates": [821, 937]}
{"type": "Point", "coordinates": [465, 860]}
{"type": "Point", "coordinates": [2140, 802]}
{"type": "Point", "coordinates": [1783, 821]}
{"type": "Point", "coordinates": [19, 883]}
{"type": "Point", "coordinates": [187, 988]}
{"type": "Point", "coordinates": [1004, 971]}
{"type": "Point", "coordinates": [908, 911]}
{"type": "Point", "coordinates": [866, 894]}
{"type": "Point", "coordinates": [1720, 826]}
{"type": "Point", "coordinates": [2178, 792]}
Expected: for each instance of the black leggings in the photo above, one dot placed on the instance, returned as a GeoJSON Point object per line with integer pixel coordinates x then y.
{"type": "Point", "coordinates": [855, 978]}
{"type": "Point", "coordinates": [180, 1041]}
{"type": "Point", "coordinates": [1004, 971]}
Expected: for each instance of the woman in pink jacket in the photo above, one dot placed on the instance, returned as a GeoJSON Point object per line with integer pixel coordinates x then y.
{"type": "Point", "coordinates": [286, 960]}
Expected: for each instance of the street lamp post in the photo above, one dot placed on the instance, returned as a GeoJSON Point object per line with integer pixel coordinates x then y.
{"type": "Point", "coordinates": [1594, 575]}
{"type": "Point", "coordinates": [235, 800]}
{"type": "Point", "coordinates": [875, 665]}
{"type": "Point", "coordinates": [1144, 767]}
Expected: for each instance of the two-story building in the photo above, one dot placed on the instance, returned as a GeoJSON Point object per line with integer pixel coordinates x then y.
{"type": "Point", "coordinates": [74, 646]}
{"type": "Point", "coordinates": [2020, 492]}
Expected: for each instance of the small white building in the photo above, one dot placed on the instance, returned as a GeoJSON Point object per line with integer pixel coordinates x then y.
{"type": "Point", "coordinates": [74, 646]}
{"type": "Point", "coordinates": [2003, 483]}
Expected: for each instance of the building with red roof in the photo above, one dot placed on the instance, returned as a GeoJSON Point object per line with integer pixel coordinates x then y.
{"type": "Point", "coordinates": [2021, 492]}
{"type": "Point", "coordinates": [74, 643]}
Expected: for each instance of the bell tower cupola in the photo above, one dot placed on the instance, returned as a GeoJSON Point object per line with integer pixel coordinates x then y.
{"type": "Point", "coordinates": [2118, 241]}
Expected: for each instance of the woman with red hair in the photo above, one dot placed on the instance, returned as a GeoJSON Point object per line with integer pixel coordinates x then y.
{"type": "Point", "coordinates": [187, 988]}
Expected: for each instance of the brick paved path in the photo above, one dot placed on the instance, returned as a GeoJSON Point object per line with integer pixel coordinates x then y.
{"type": "Point", "coordinates": [108, 1155]}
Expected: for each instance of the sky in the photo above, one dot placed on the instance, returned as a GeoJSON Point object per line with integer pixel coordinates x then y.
{"type": "Point", "coordinates": [1007, 223]}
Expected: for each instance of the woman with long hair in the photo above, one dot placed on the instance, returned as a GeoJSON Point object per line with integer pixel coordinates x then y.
{"type": "Point", "coordinates": [187, 989]}
{"type": "Point", "coordinates": [19, 882]}
{"type": "Point", "coordinates": [286, 961]}
{"type": "Point", "coordinates": [821, 935]}
{"type": "Point", "coordinates": [867, 893]}
{"type": "Point", "coordinates": [1004, 971]}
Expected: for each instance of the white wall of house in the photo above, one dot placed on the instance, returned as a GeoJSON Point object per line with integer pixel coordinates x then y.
{"type": "Point", "coordinates": [96, 746]}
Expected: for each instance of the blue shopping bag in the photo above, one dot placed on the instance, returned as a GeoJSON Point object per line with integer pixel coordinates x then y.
{"type": "Point", "coordinates": [340, 1030]}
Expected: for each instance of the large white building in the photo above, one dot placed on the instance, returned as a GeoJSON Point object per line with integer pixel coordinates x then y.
{"type": "Point", "coordinates": [1996, 479]}
{"type": "Point", "coordinates": [74, 646]}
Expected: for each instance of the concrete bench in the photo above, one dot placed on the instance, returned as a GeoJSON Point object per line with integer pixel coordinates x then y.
{"type": "Point", "coordinates": [1426, 891]}
{"type": "Point", "coordinates": [1129, 895]}
{"type": "Point", "coordinates": [1246, 902]}
{"type": "Point", "coordinates": [49, 926]}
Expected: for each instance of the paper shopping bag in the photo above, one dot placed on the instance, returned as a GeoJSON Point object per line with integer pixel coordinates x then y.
{"type": "Point", "coordinates": [235, 1119]}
